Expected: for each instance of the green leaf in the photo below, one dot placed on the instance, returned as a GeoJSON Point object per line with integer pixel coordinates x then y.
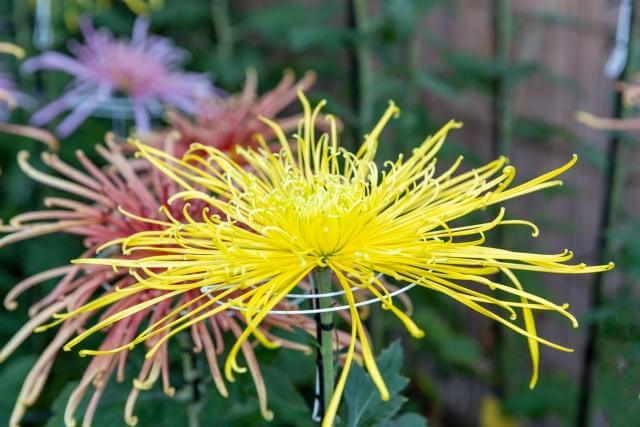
{"type": "Point", "coordinates": [461, 350]}
{"type": "Point", "coordinates": [398, 20]}
{"type": "Point", "coordinates": [618, 365]}
{"type": "Point", "coordinates": [12, 376]}
{"type": "Point", "coordinates": [437, 85]}
{"type": "Point", "coordinates": [308, 37]}
{"type": "Point", "coordinates": [241, 407]}
{"type": "Point", "coordinates": [410, 419]}
{"type": "Point", "coordinates": [287, 403]}
{"type": "Point", "coordinates": [363, 403]}
{"type": "Point", "coordinates": [449, 347]}
{"type": "Point", "coordinates": [540, 130]}
{"type": "Point", "coordinates": [554, 394]}
{"type": "Point", "coordinates": [153, 407]}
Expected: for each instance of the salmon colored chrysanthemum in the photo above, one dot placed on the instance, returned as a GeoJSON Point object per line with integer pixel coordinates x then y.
{"type": "Point", "coordinates": [96, 204]}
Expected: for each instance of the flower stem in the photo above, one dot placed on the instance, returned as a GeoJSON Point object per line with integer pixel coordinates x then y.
{"type": "Point", "coordinates": [223, 29]}
{"type": "Point", "coordinates": [192, 384]}
{"type": "Point", "coordinates": [321, 278]}
{"type": "Point", "coordinates": [360, 66]}
{"type": "Point", "coordinates": [365, 63]}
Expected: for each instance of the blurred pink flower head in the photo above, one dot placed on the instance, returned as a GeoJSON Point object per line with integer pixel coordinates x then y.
{"type": "Point", "coordinates": [145, 69]}
{"type": "Point", "coordinates": [224, 123]}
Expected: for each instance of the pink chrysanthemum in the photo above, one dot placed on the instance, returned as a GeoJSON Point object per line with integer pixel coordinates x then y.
{"type": "Point", "coordinates": [225, 123]}
{"type": "Point", "coordinates": [112, 198]}
{"type": "Point", "coordinates": [145, 69]}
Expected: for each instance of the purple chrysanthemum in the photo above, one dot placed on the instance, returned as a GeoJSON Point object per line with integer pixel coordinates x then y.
{"type": "Point", "coordinates": [145, 69]}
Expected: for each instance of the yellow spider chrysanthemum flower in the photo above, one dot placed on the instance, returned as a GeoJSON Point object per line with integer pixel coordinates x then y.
{"type": "Point", "coordinates": [314, 205]}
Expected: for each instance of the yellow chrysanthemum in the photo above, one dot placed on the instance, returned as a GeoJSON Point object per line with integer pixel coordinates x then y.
{"type": "Point", "coordinates": [313, 205]}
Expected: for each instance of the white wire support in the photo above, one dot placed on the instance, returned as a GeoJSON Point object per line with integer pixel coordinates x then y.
{"type": "Point", "coordinates": [402, 290]}
{"type": "Point", "coordinates": [291, 295]}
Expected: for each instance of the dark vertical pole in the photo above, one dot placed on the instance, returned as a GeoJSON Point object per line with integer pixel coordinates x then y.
{"type": "Point", "coordinates": [501, 128]}
{"type": "Point", "coordinates": [319, 404]}
{"type": "Point", "coordinates": [321, 281]}
{"type": "Point", "coordinates": [606, 217]}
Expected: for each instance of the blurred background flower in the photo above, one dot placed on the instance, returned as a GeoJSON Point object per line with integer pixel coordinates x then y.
{"type": "Point", "coordinates": [144, 70]}
{"type": "Point", "coordinates": [226, 122]}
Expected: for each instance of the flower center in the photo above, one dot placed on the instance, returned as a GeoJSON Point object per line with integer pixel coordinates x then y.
{"type": "Point", "coordinates": [319, 212]}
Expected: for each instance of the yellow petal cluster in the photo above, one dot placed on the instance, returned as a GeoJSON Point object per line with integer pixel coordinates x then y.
{"type": "Point", "coordinates": [272, 220]}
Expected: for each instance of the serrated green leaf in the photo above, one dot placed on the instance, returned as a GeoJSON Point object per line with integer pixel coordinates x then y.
{"type": "Point", "coordinates": [409, 419]}
{"type": "Point", "coordinates": [363, 403]}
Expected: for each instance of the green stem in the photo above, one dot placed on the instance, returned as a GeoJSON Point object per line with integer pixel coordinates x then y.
{"type": "Point", "coordinates": [365, 63]}
{"type": "Point", "coordinates": [223, 29]}
{"type": "Point", "coordinates": [413, 66]}
{"type": "Point", "coordinates": [322, 284]}
{"type": "Point", "coordinates": [192, 379]}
